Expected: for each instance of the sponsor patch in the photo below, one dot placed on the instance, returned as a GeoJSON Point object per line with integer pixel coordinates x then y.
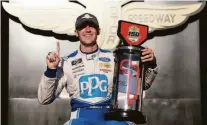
{"type": "Point", "coordinates": [105, 65]}
{"type": "Point", "coordinates": [101, 65]}
{"type": "Point", "coordinates": [76, 75]}
{"type": "Point", "coordinates": [91, 57]}
{"type": "Point", "coordinates": [78, 67]}
{"type": "Point", "coordinates": [76, 62]}
{"type": "Point", "coordinates": [104, 59]}
{"type": "Point", "coordinates": [105, 70]}
{"type": "Point", "coordinates": [78, 70]}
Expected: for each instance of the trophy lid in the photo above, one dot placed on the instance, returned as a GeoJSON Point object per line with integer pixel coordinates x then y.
{"type": "Point", "coordinates": [129, 49]}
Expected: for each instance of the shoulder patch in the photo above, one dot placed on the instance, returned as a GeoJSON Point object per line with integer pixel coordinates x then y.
{"type": "Point", "coordinates": [71, 55]}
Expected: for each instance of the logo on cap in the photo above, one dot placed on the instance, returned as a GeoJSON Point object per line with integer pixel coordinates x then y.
{"type": "Point", "coordinates": [133, 34]}
{"type": "Point", "coordinates": [87, 16]}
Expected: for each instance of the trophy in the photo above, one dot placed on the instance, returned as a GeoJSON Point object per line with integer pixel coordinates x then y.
{"type": "Point", "coordinates": [129, 74]}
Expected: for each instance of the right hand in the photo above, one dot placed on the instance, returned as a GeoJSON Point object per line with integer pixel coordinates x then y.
{"type": "Point", "coordinates": [53, 58]}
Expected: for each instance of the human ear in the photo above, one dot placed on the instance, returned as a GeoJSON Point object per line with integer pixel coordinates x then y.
{"type": "Point", "coordinates": [76, 33]}
{"type": "Point", "coordinates": [98, 31]}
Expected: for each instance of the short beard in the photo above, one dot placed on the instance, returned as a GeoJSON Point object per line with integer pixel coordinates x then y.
{"type": "Point", "coordinates": [89, 44]}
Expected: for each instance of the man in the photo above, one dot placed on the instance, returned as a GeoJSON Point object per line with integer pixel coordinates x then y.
{"type": "Point", "coordinates": [88, 84]}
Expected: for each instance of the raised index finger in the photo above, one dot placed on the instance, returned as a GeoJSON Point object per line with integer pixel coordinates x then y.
{"type": "Point", "coordinates": [58, 48]}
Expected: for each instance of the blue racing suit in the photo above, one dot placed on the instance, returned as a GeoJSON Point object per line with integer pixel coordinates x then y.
{"type": "Point", "coordinates": [88, 78]}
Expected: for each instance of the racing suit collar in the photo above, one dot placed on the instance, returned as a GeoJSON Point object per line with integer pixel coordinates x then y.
{"type": "Point", "coordinates": [91, 55]}
{"type": "Point", "coordinates": [89, 52]}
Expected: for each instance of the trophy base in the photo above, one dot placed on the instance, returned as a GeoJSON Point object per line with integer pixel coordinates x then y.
{"type": "Point", "coordinates": [128, 115]}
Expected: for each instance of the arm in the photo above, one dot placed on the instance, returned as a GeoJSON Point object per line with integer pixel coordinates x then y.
{"type": "Point", "coordinates": [151, 71]}
{"type": "Point", "coordinates": [51, 85]}
{"type": "Point", "coordinates": [150, 67]}
{"type": "Point", "coordinates": [53, 80]}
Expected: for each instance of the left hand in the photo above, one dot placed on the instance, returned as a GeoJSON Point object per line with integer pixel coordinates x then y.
{"type": "Point", "coordinates": [147, 55]}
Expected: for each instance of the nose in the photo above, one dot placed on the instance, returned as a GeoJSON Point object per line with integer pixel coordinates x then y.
{"type": "Point", "coordinates": [88, 29]}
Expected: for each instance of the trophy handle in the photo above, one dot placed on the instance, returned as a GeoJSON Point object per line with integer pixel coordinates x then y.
{"type": "Point", "coordinates": [131, 101]}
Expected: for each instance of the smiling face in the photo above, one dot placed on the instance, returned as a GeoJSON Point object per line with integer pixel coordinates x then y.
{"type": "Point", "coordinates": [87, 34]}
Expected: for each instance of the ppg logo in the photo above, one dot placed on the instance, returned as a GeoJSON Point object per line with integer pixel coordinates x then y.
{"type": "Point", "coordinates": [95, 85]}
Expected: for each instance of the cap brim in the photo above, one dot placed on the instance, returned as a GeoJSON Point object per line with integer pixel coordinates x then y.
{"type": "Point", "coordinates": [86, 22]}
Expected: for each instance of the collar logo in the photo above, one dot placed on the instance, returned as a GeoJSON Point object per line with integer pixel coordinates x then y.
{"type": "Point", "coordinates": [59, 16]}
